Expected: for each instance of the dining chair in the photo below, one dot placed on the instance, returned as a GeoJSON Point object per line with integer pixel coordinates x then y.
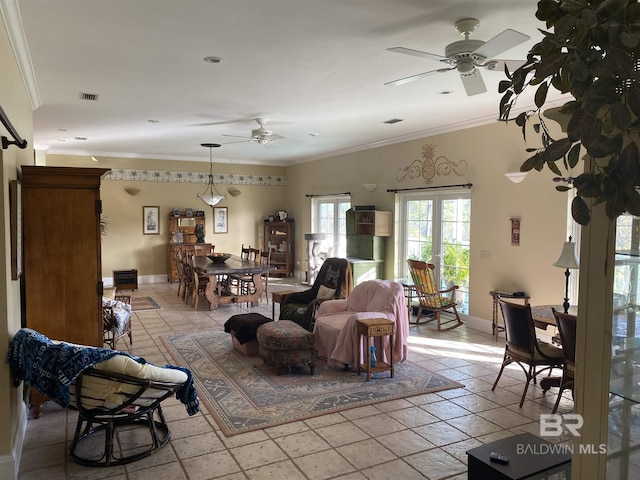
{"type": "Point", "coordinates": [180, 269]}
{"type": "Point", "coordinates": [265, 261]}
{"type": "Point", "coordinates": [523, 347]}
{"type": "Point", "coordinates": [243, 284]}
{"type": "Point", "coordinates": [566, 324]}
{"type": "Point", "coordinates": [433, 301]}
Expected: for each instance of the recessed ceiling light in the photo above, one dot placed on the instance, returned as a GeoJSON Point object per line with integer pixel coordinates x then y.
{"type": "Point", "coordinates": [444, 92]}
{"type": "Point", "coordinates": [212, 59]}
{"type": "Point", "coordinates": [313, 134]}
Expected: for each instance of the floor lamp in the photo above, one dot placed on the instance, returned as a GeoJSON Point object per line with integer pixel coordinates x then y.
{"type": "Point", "coordinates": [568, 261]}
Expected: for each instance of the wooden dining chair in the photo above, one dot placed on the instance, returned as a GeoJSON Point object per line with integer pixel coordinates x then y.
{"type": "Point", "coordinates": [566, 324]}
{"type": "Point", "coordinates": [265, 260]}
{"type": "Point", "coordinates": [433, 301]}
{"type": "Point", "coordinates": [243, 284]}
{"type": "Point", "coordinates": [523, 347]}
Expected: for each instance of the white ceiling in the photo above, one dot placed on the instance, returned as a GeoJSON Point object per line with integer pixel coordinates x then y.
{"type": "Point", "coordinates": [309, 66]}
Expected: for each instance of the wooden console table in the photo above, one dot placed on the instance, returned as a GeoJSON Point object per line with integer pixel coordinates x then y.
{"type": "Point", "coordinates": [375, 327]}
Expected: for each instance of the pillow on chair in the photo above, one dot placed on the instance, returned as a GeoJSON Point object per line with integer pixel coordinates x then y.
{"type": "Point", "coordinates": [325, 293]}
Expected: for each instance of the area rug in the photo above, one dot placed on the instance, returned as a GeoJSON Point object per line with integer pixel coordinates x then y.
{"type": "Point", "coordinates": [242, 394]}
{"type": "Point", "coordinates": [143, 303]}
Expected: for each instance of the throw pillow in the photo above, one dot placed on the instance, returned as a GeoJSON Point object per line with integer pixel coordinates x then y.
{"type": "Point", "coordinates": [325, 293]}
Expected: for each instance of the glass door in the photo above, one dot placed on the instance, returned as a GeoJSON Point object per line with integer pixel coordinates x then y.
{"type": "Point", "coordinates": [437, 230]}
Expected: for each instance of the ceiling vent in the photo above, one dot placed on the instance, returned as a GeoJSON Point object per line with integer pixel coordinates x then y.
{"type": "Point", "coordinates": [89, 96]}
{"type": "Point", "coordinates": [392, 121]}
{"type": "Point", "coordinates": [80, 138]}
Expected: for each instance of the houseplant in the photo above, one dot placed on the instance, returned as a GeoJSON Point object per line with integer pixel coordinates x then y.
{"type": "Point", "coordinates": [593, 53]}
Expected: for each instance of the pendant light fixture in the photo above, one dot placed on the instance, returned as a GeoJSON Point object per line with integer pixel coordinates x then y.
{"type": "Point", "coordinates": [211, 196]}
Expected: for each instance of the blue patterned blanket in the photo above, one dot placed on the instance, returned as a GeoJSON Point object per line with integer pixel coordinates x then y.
{"type": "Point", "coordinates": [52, 367]}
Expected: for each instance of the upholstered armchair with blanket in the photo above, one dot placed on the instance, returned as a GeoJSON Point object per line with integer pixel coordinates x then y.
{"type": "Point", "coordinates": [109, 389]}
{"type": "Point", "coordinates": [335, 327]}
{"type": "Point", "coordinates": [334, 281]}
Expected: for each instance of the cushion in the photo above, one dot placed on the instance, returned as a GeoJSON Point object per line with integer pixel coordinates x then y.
{"type": "Point", "coordinates": [325, 293]}
{"type": "Point", "coordinates": [101, 392]}
{"type": "Point", "coordinates": [121, 313]}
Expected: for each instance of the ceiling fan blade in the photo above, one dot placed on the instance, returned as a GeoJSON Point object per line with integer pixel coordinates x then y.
{"type": "Point", "coordinates": [236, 136]}
{"type": "Point", "coordinates": [473, 83]}
{"type": "Point", "coordinates": [497, 65]}
{"type": "Point", "coordinates": [404, 80]}
{"type": "Point", "coordinates": [239, 141]}
{"type": "Point", "coordinates": [501, 43]}
{"type": "Point", "coordinates": [418, 53]}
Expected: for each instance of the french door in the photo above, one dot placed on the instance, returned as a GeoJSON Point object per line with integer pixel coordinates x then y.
{"type": "Point", "coordinates": [436, 229]}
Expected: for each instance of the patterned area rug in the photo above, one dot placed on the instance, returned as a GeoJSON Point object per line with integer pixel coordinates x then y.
{"type": "Point", "coordinates": [143, 303]}
{"type": "Point", "coordinates": [243, 394]}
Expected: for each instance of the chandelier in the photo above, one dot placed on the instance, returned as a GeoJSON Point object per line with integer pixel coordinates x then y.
{"type": "Point", "coordinates": [208, 196]}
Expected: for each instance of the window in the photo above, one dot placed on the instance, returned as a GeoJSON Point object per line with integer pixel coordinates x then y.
{"type": "Point", "coordinates": [329, 217]}
{"type": "Point", "coordinates": [436, 229]}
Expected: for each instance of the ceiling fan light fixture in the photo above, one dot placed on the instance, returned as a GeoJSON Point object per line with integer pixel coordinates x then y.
{"type": "Point", "coordinates": [211, 196]}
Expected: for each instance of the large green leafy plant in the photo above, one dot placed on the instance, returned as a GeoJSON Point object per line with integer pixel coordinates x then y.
{"type": "Point", "coordinates": [593, 54]}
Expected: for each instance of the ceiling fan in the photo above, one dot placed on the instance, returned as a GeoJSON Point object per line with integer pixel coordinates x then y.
{"type": "Point", "coordinates": [467, 56]}
{"type": "Point", "coordinates": [260, 135]}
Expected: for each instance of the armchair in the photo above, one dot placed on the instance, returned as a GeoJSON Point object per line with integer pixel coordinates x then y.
{"type": "Point", "coordinates": [110, 389]}
{"type": "Point", "coordinates": [335, 327]}
{"type": "Point", "coordinates": [334, 281]}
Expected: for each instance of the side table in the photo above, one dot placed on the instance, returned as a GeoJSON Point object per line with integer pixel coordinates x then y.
{"type": "Point", "coordinates": [497, 295]}
{"type": "Point", "coordinates": [278, 297]}
{"type": "Point", "coordinates": [530, 458]}
{"type": "Point", "coordinates": [375, 327]}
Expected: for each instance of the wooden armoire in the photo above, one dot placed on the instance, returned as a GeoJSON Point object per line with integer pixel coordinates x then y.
{"type": "Point", "coordinates": [62, 253]}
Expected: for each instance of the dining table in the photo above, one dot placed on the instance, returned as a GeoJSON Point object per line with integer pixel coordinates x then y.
{"type": "Point", "coordinates": [215, 292]}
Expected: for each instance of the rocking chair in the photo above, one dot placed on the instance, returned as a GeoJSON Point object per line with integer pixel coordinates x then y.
{"type": "Point", "coordinates": [433, 301]}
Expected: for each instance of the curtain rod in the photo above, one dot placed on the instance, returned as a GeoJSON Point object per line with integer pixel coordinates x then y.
{"type": "Point", "coordinates": [17, 139]}
{"type": "Point", "coordinates": [396, 190]}
{"type": "Point", "coordinates": [329, 195]}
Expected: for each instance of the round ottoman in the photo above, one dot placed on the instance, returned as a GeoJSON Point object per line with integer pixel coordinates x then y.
{"type": "Point", "coordinates": [285, 343]}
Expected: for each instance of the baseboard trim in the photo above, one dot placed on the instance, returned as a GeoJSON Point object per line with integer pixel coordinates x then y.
{"type": "Point", "coordinates": [10, 464]}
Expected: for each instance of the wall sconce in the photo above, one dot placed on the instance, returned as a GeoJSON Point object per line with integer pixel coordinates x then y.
{"type": "Point", "coordinates": [234, 192]}
{"type": "Point", "coordinates": [516, 177]}
{"type": "Point", "coordinates": [132, 191]}
{"type": "Point", "coordinates": [370, 186]}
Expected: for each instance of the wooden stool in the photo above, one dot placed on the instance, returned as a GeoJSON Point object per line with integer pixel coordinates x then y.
{"type": "Point", "coordinates": [375, 327]}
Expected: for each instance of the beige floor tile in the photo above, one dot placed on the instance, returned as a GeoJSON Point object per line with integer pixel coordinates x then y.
{"type": "Point", "coordinates": [172, 471]}
{"type": "Point", "coordinates": [303, 443]}
{"type": "Point", "coordinates": [379, 425]}
{"type": "Point", "coordinates": [473, 425]}
{"type": "Point", "coordinates": [441, 433]}
{"type": "Point", "coordinates": [504, 417]}
{"type": "Point", "coordinates": [413, 417]}
{"type": "Point", "coordinates": [395, 469]}
{"type": "Point", "coordinates": [197, 445]}
{"type": "Point", "coordinates": [277, 471]}
{"type": "Point", "coordinates": [405, 443]}
{"type": "Point", "coordinates": [342, 434]}
{"type": "Point", "coordinates": [212, 465]}
{"type": "Point", "coordinates": [366, 453]}
{"type": "Point", "coordinates": [258, 454]}
{"type": "Point", "coordinates": [436, 464]}
{"type": "Point", "coordinates": [322, 465]}
{"type": "Point", "coordinates": [445, 410]}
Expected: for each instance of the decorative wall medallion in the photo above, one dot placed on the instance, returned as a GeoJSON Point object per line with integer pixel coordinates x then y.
{"type": "Point", "coordinates": [430, 166]}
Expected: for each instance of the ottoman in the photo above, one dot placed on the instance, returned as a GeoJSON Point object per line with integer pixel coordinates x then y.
{"type": "Point", "coordinates": [243, 328]}
{"type": "Point", "coordinates": [285, 343]}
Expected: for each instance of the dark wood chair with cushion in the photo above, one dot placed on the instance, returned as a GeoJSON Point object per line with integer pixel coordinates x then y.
{"type": "Point", "coordinates": [523, 347]}
{"type": "Point", "coordinates": [567, 329]}
{"type": "Point", "coordinates": [116, 319]}
{"type": "Point", "coordinates": [334, 281]}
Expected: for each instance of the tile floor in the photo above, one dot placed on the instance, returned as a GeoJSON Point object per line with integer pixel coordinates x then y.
{"type": "Point", "coordinates": [423, 437]}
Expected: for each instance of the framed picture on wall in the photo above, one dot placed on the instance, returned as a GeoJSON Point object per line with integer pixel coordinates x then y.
{"type": "Point", "coordinates": [220, 220]}
{"type": "Point", "coordinates": [15, 192]}
{"type": "Point", "coordinates": [151, 220]}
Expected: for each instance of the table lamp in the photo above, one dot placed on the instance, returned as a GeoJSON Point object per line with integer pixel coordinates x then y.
{"type": "Point", "coordinates": [567, 261]}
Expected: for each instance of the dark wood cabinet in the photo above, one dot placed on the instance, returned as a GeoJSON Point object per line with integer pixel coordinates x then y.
{"type": "Point", "coordinates": [278, 237]}
{"type": "Point", "coordinates": [62, 253]}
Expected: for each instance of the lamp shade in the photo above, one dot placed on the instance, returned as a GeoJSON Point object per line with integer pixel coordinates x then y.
{"type": "Point", "coordinates": [568, 256]}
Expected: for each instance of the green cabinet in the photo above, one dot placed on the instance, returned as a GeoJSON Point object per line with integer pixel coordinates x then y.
{"type": "Point", "coordinates": [366, 232]}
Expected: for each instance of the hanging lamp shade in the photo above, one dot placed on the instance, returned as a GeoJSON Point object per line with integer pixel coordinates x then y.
{"type": "Point", "coordinates": [211, 196]}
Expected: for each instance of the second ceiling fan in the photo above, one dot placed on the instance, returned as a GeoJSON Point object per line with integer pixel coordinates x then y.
{"type": "Point", "coordinates": [467, 56]}
{"type": "Point", "coordinates": [260, 135]}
